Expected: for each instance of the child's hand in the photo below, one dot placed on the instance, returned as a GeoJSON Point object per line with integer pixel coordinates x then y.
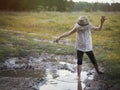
{"type": "Point", "coordinates": [56, 40]}
{"type": "Point", "coordinates": [102, 19]}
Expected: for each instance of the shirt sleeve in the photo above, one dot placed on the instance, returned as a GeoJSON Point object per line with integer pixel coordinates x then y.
{"type": "Point", "coordinates": [76, 26]}
{"type": "Point", "coordinates": [94, 27]}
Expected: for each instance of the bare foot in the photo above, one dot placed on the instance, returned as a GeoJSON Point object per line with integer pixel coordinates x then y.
{"type": "Point", "coordinates": [100, 72]}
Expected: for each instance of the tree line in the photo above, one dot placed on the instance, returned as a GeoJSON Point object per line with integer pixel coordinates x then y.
{"type": "Point", "coordinates": [85, 6]}
{"type": "Point", "coordinates": [55, 5]}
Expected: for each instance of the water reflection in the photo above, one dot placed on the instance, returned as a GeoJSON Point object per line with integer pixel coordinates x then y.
{"type": "Point", "coordinates": [54, 73]}
{"type": "Point", "coordinates": [63, 80]}
{"type": "Point", "coordinates": [79, 85]}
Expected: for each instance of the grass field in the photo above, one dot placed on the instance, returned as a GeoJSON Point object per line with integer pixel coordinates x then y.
{"type": "Point", "coordinates": [19, 29]}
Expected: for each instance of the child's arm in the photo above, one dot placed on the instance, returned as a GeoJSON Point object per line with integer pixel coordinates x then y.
{"type": "Point", "coordinates": [101, 24]}
{"type": "Point", "coordinates": [65, 35]}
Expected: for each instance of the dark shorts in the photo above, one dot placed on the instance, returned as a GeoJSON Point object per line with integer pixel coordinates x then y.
{"type": "Point", "coordinates": [90, 54]}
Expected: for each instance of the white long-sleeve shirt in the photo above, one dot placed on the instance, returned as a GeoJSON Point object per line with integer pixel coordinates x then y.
{"type": "Point", "coordinates": [83, 37]}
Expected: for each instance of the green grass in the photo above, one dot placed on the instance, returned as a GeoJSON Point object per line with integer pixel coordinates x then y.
{"type": "Point", "coordinates": [18, 29]}
{"type": "Point", "coordinates": [16, 44]}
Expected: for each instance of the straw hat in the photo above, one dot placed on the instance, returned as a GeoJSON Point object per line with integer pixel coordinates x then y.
{"type": "Point", "coordinates": [83, 21]}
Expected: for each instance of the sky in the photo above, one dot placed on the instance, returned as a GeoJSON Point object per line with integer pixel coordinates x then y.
{"type": "Point", "coordinates": [102, 1]}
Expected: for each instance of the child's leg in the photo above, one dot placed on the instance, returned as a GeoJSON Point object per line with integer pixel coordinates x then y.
{"type": "Point", "coordinates": [79, 62]}
{"type": "Point", "coordinates": [79, 67]}
{"type": "Point", "coordinates": [93, 60]}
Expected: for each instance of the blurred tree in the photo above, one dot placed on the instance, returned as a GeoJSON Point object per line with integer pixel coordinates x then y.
{"type": "Point", "coordinates": [55, 5]}
{"type": "Point", "coordinates": [115, 7]}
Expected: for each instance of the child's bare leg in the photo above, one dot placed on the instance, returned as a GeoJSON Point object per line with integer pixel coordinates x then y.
{"type": "Point", "coordinates": [94, 62]}
{"type": "Point", "coordinates": [97, 69]}
{"type": "Point", "coordinates": [79, 71]}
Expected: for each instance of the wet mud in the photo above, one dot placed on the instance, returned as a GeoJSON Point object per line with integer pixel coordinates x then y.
{"type": "Point", "coordinates": [47, 72]}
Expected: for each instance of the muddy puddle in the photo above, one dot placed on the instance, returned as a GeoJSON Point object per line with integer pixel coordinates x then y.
{"type": "Point", "coordinates": [46, 72]}
{"type": "Point", "coordinates": [64, 80]}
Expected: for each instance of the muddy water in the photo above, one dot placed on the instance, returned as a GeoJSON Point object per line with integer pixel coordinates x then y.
{"type": "Point", "coordinates": [47, 72]}
{"type": "Point", "coordinates": [23, 73]}
{"type": "Point", "coordinates": [65, 80]}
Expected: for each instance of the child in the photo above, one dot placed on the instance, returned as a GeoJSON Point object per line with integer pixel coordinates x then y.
{"type": "Point", "coordinates": [84, 41]}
